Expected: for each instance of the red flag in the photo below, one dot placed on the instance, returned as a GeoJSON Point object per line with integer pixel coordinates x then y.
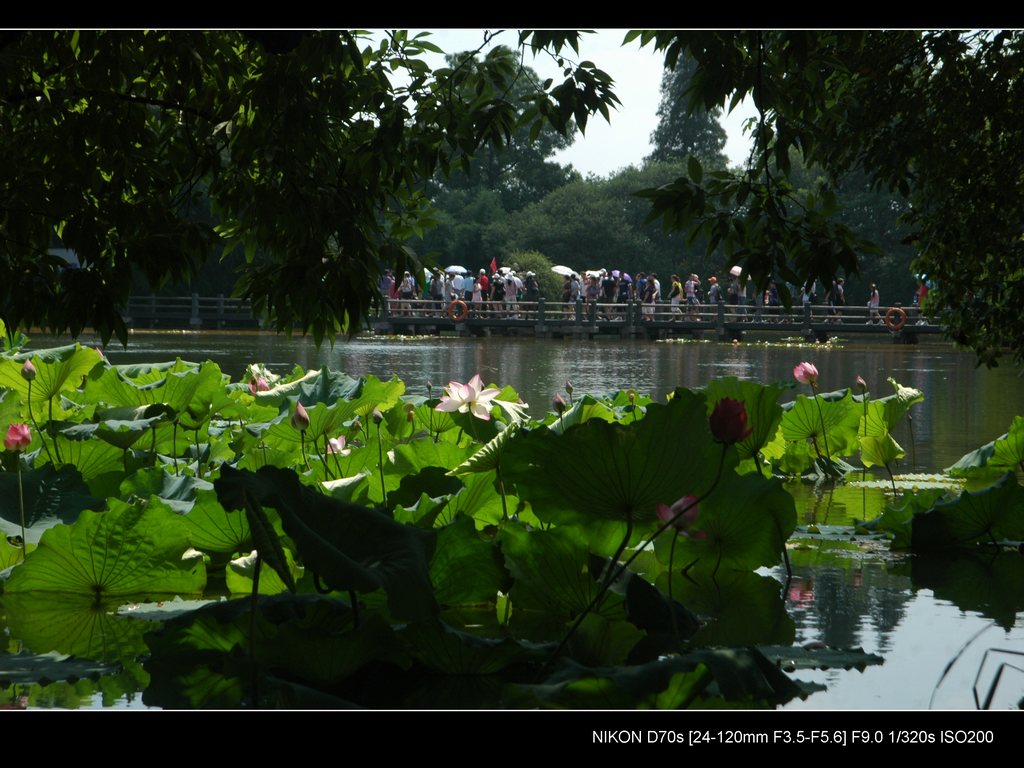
{"type": "Point", "coordinates": [494, 265]}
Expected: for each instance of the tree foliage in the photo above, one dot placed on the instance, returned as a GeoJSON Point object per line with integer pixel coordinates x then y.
{"type": "Point", "coordinates": [685, 128]}
{"type": "Point", "coordinates": [312, 146]}
{"type": "Point", "coordinates": [934, 116]}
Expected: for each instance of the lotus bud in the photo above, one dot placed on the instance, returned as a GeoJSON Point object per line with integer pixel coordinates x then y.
{"type": "Point", "coordinates": [377, 416]}
{"type": "Point", "coordinates": [300, 419]}
{"type": "Point", "coordinates": [28, 371]}
{"type": "Point", "coordinates": [19, 437]}
{"type": "Point", "coordinates": [729, 421]}
{"type": "Point", "coordinates": [862, 386]}
{"type": "Point", "coordinates": [558, 404]}
{"type": "Point", "coordinates": [568, 387]}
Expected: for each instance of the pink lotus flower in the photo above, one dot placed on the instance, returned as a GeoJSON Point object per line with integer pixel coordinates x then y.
{"type": "Point", "coordinates": [806, 373]}
{"type": "Point", "coordinates": [258, 384]}
{"type": "Point", "coordinates": [300, 419]}
{"type": "Point", "coordinates": [471, 397]}
{"type": "Point", "coordinates": [682, 520]}
{"type": "Point", "coordinates": [19, 437]}
{"type": "Point", "coordinates": [729, 421]}
{"type": "Point", "coordinates": [28, 371]}
{"type": "Point", "coordinates": [337, 445]}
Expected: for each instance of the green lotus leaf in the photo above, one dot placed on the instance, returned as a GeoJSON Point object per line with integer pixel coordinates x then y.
{"type": "Point", "coordinates": [1009, 449]}
{"type": "Point", "coordinates": [880, 450]}
{"type": "Point", "coordinates": [432, 481]}
{"type": "Point", "coordinates": [762, 406]}
{"type": "Point", "coordinates": [307, 637]}
{"type": "Point", "coordinates": [73, 624]}
{"type": "Point", "coordinates": [1005, 453]}
{"type": "Point", "coordinates": [178, 491]}
{"type": "Point", "coordinates": [987, 516]}
{"type": "Point", "coordinates": [323, 386]}
{"type": "Point", "coordinates": [802, 421]}
{"type": "Point", "coordinates": [57, 370]}
{"type": "Point", "coordinates": [797, 657]}
{"type": "Point", "coordinates": [552, 573]}
{"type": "Point", "coordinates": [239, 574]}
{"type": "Point", "coordinates": [450, 651]}
{"type": "Point", "coordinates": [583, 409]}
{"type": "Point", "coordinates": [10, 410]}
{"type": "Point", "coordinates": [51, 497]}
{"type": "Point", "coordinates": [433, 422]}
{"type": "Point", "coordinates": [747, 520]}
{"type": "Point", "coordinates": [100, 464]}
{"type": "Point", "coordinates": [480, 500]}
{"type": "Point", "coordinates": [127, 550]}
{"type": "Point", "coordinates": [119, 433]}
{"type": "Point", "coordinates": [466, 569]}
{"type": "Point", "coordinates": [40, 670]}
{"type": "Point", "coordinates": [897, 517]}
{"type": "Point", "coordinates": [599, 641]}
{"type": "Point", "coordinates": [349, 547]}
{"type": "Point", "coordinates": [742, 676]}
{"type": "Point", "coordinates": [11, 554]}
{"type": "Point", "coordinates": [620, 401]}
{"type": "Point", "coordinates": [487, 458]}
{"type": "Point", "coordinates": [412, 458]}
{"type": "Point", "coordinates": [897, 405]}
{"type": "Point", "coordinates": [345, 488]}
{"type": "Point", "coordinates": [177, 385]}
{"type": "Point", "coordinates": [425, 512]}
{"type": "Point", "coordinates": [608, 473]}
{"type": "Point", "coordinates": [210, 527]}
{"type": "Point", "coordinates": [991, 583]}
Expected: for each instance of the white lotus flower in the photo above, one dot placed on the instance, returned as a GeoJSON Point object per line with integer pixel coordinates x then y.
{"type": "Point", "coordinates": [470, 397]}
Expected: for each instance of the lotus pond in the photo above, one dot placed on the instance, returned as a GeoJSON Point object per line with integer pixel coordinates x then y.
{"type": "Point", "coordinates": [309, 538]}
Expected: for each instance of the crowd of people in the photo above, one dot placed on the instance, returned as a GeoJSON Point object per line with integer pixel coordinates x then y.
{"type": "Point", "coordinates": [500, 293]}
{"type": "Point", "coordinates": [483, 295]}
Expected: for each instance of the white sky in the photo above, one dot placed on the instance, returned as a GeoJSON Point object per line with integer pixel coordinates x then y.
{"type": "Point", "coordinates": [605, 148]}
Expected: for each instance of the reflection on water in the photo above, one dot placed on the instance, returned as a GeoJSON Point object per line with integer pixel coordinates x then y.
{"type": "Point", "coordinates": [844, 599]}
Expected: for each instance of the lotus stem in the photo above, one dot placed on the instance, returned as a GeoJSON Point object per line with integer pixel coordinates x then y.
{"type": "Point", "coordinates": [35, 426]}
{"type": "Point", "coordinates": [353, 598]}
{"type": "Point", "coordinates": [49, 428]}
{"type": "Point", "coordinates": [501, 487]}
{"type": "Point", "coordinates": [380, 466]}
{"type": "Point", "coordinates": [199, 458]}
{"type": "Point", "coordinates": [302, 443]}
{"type": "Point", "coordinates": [174, 447]}
{"type": "Point", "coordinates": [615, 575]}
{"type": "Point", "coordinates": [824, 433]}
{"type": "Point", "coordinates": [21, 509]}
{"type": "Point", "coordinates": [253, 606]}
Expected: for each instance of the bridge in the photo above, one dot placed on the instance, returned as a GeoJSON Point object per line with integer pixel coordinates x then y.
{"type": "Point", "coordinates": [546, 319]}
{"type": "Point", "coordinates": [723, 322]}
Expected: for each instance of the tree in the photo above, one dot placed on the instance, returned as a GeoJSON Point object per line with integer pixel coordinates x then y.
{"type": "Point", "coordinates": [685, 128]}
{"type": "Point", "coordinates": [313, 147]}
{"type": "Point", "coordinates": [933, 116]}
{"type": "Point", "coordinates": [520, 170]}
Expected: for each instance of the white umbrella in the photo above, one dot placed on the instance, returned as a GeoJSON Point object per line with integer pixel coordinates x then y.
{"type": "Point", "coordinates": [504, 270]}
{"type": "Point", "coordinates": [560, 270]}
{"type": "Point", "coordinates": [736, 271]}
{"type": "Point", "coordinates": [456, 269]}
{"type": "Point", "coordinates": [594, 273]}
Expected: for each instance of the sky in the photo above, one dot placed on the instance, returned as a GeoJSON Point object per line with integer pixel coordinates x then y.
{"type": "Point", "coordinates": [605, 148]}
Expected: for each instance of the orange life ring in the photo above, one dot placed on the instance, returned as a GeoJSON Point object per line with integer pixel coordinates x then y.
{"type": "Point", "coordinates": [895, 325]}
{"type": "Point", "coordinates": [458, 311]}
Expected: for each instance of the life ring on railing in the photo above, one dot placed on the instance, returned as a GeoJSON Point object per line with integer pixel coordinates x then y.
{"type": "Point", "coordinates": [458, 311]}
{"type": "Point", "coordinates": [900, 318]}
